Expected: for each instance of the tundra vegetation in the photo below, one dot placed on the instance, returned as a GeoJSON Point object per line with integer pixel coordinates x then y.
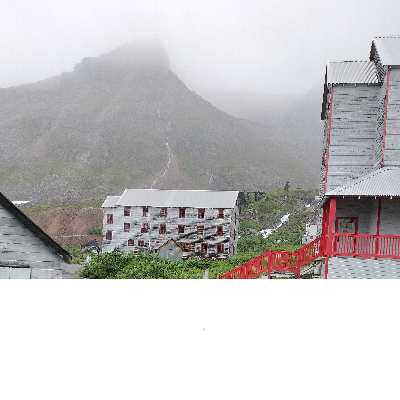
{"type": "Point", "coordinates": [265, 213]}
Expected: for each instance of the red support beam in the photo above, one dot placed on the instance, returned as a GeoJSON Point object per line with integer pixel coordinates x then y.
{"type": "Point", "coordinates": [329, 236]}
{"type": "Point", "coordinates": [329, 139]}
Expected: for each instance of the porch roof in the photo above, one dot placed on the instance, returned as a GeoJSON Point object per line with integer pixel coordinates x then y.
{"type": "Point", "coordinates": [384, 182]}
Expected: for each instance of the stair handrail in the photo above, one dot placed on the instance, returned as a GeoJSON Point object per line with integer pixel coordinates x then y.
{"type": "Point", "coordinates": [278, 260]}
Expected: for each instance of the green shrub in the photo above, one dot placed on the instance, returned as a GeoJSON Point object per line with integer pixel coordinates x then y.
{"type": "Point", "coordinates": [106, 265]}
{"type": "Point", "coordinates": [78, 256]}
{"type": "Point", "coordinates": [121, 265]}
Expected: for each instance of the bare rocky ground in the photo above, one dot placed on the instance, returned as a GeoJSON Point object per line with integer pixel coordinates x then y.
{"type": "Point", "coordinates": [69, 227]}
{"type": "Point", "coordinates": [69, 271]}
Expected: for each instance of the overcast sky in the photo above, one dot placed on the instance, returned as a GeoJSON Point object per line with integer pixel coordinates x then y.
{"type": "Point", "coordinates": [255, 45]}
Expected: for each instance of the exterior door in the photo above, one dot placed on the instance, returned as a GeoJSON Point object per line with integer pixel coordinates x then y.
{"type": "Point", "coordinates": [347, 226]}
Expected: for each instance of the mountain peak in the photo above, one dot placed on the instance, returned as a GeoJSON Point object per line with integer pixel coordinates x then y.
{"type": "Point", "coordinates": [141, 55]}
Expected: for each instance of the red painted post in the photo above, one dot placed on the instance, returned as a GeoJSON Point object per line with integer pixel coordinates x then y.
{"type": "Point", "coordinates": [242, 275]}
{"type": "Point", "coordinates": [269, 266]}
{"type": "Point", "coordinates": [378, 223]}
{"type": "Point", "coordinates": [329, 139]}
{"type": "Point", "coordinates": [332, 215]}
{"type": "Point", "coordinates": [298, 263]}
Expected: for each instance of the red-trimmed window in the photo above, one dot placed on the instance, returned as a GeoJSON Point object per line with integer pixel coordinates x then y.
{"type": "Point", "coordinates": [181, 229]}
{"type": "Point", "coordinates": [234, 235]}
{"type": "Point", "coordinates": [204, 247]}
{"type": "Point", "coordinates": [145, 228]}
{"type": "Point", "coordinates": [233, 250]}
{"type": "Point", "coordinates": [110, 218]}
{"type": "Point", "coordinates": [127, 211]}
{"type": "Point", "coordinates": [200, 230]}
{"type": "Point", "coordinates": [163, 212]}
{"type": "Point", "coordinates": [145, 211]}
{"type": "Point", "coordinates": [131, 242]}
{"type": "Point", "coordinates": [182, 213]}
{"type": "Point", "coordinates": [127, 227]}
{"type": "Point", "coordinates": [220, 214]}
{"type": "Point", "coordinates": [188, 247]}
{"type": "Point", "coordinates": [235, 218]}
{"type": "Point", "coordinates": [220, 248]}
{"type": "Point", "coordinates": [201, 212]}
{"type": "Point", "coordinates": [109, 235]}
{"type": "Point", "coordinates": [140, 243]}
{"type": "Point", "coordinates": [163, 229]}
{"type": "Point", "coordinates": [220, 230]}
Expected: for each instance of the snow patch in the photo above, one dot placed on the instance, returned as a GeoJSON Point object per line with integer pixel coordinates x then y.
{"type": "Point", "coordinates": [266, 232]}
{"type": "Point", "coordinates": [20, 202]}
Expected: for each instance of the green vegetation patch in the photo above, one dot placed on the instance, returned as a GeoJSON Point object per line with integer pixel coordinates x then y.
{"type": "Point", "coordinates": [120, 265]}
{"type": "Point", "coordinates": [78, 255]}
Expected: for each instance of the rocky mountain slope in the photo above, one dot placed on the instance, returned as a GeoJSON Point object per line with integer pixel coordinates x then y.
{"type": "Point", "coordinates": [124, 119]}
{"type": "Point", "coordinates": [295, 120]}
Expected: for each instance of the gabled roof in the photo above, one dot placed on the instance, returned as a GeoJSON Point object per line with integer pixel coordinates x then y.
{"type": "Point", "coordinates": [29, 224]}
{"type": "Point", "coordinates": [111, 201]}
{"type": "Point", "coordinates": [348, 72]}
{"type": "Point", "coordinates": [384, 182]}
{"type": "Point", "coordinates": [351, 72]}
{"type": "Point", "coordinates": [387, 48]}
{"type": "Point", "coordinates": [162, 244]}
{"type": "Point", "coordinates": [178, 198]}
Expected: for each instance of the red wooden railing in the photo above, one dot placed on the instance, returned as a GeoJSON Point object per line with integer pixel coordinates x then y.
{"type": "Point", "coordinates": [277, 261]}
{"type": "Point", "coordinates": [343, 244]}
{"type": "Point", "coordinates": [366, 246]}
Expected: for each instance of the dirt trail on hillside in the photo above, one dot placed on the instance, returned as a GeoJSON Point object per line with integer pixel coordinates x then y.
{"type": "Point", "coordinates": [68, 227]}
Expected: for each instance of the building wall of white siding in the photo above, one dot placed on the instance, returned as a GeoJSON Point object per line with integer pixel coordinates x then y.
{"type": "Point", "coordinates": [191, 222]}
{"type": "Point", "coordinates": [353, 129]}
{"type": "Point", "coordinates": [390, 217]}
{"type": "Point", "coordinates": [359, 208]}
{"type": "Point", "coordinates": [19, 244]}
{"type": "Point", "coordinates": [374, 216]}
{"type": "Point", "coordinates": [381, 101]}
{"type": "Point", "coordinates": [392, 141]}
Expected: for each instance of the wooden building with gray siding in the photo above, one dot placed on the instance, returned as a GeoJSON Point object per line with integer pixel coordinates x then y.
{"type": "Point", "coordinates": [203, 222]}
{"type": "Point", "coordinates": [25, 250]}
{"type": "Point", "coordinates": [360, 174]}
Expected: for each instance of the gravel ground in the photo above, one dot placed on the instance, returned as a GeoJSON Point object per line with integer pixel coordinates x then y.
{"type": "Point", "coordinates": [69, 271]}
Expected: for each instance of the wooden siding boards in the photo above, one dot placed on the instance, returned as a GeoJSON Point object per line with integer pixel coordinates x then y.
{"type": "Point", "coordinates": [392, 141]}
{"type": "Point", "coordinates": [390, 217]}
{"type": "Point", "coordinates": [21, 245]}
{"type": "Point", "coordinates": [378, 146]}
{"type": "Point", "coordinates": [352, 136]}
{"type": "Point", "coordinates": [191, 222]}
{"type": "Point", "coordinates": [359, 208]}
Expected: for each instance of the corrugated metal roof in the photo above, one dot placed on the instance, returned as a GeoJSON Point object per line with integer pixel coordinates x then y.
{"type": "Point", "coordinates": [388, 49]}
{"type": "Point", "coordinates": [111, 201]}
{"type": "Point", "coordinates": [178, 198]}
{"type": "Point", "coordinates": [351, 72]}
{"type": "Point", "coordinates": [384, 182]}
